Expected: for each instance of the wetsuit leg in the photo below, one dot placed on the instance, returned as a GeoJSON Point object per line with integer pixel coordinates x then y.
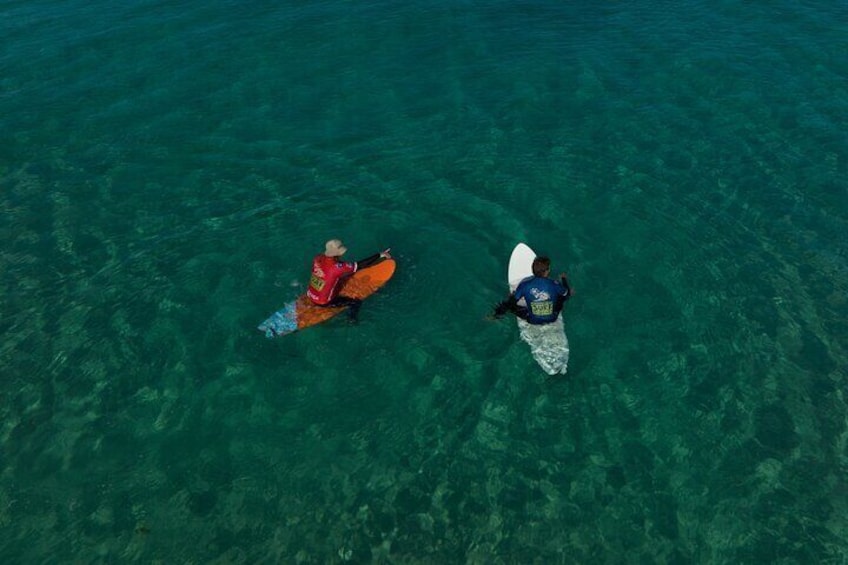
{"type": "Point", "coordinates": [510, 305]}
{"type": "Point", "coordinates": [353, 305]}
{"type": "Point", "coordinates": [560, 302]}
{"type": "Point", "coordinates": [521, 312]}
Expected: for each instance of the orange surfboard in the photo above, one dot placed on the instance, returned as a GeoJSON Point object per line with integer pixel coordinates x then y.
{"type": "Point", "coordinates": [302, 313]}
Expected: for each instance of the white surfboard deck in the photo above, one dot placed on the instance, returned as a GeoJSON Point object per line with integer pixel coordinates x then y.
{"type": "Point", "coordinates": [520, 265]}
{"type": "Point", "coordinates": [548, 343]}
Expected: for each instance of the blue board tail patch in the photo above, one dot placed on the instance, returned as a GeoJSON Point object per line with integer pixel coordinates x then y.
{"type": "Point", "coordinates": [281, 322]}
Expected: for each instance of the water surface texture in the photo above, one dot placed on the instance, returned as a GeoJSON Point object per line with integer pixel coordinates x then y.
{"type": "Point", "coordinates": [168, 169]}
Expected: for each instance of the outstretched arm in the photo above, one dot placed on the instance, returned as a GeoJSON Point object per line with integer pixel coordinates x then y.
{"type": "Point", "coordinates": [374, 259]}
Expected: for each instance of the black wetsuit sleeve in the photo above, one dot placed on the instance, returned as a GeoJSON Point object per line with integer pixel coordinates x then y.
{"type": "Point", "coordinates": [567, 294]}
{"type": "Point", "coordinates": [368, 261]}
{"type": "Point", "coordinates": [507, 305]}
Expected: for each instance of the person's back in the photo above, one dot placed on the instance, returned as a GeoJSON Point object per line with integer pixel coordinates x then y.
{"type": "Point", "coordinates": [327, 273]}
{"type": "Point", "coordinates": [543, 298]}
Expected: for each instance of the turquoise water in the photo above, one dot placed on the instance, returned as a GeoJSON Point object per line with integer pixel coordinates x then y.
{"type": "Point", "coordinates": [168, 170]}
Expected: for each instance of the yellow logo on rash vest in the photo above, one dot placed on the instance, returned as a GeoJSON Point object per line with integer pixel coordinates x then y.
{"type": "Point", "coordinates": [316, 282]}
{"type": "Point", "coordinates": [545, 308]}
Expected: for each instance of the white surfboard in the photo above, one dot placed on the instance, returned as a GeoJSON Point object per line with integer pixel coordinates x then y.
{"type": "Point", "coordinates": [548, 342]}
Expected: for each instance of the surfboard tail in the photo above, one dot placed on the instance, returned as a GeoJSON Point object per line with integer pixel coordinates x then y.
{"type": "Point", "coordinates": [281, 322]}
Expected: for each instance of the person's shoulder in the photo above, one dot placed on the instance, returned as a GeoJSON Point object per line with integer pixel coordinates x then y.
{"type": "Point", "coordinates": [524, 282]}
{"type": "Point", "coordinates": [560, 286]}
{"type": "Point", "coordinates": [551, 283]}
{"type": "Point", "coordinates": [555, 282]}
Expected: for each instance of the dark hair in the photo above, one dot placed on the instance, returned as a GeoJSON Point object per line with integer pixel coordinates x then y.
{"type": "Point", "coordinates": [541, 266]}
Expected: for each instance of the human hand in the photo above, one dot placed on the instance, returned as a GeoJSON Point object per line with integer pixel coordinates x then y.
{"type": "Point", "coordinates": [385, 254]}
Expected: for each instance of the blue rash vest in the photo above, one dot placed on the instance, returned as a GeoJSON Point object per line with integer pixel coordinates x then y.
{"type": "Point", "coordinates": [544, 298]}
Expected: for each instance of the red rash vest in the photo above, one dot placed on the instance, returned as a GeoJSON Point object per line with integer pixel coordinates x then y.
{"type": "Point", "coordinates": [327, 273]}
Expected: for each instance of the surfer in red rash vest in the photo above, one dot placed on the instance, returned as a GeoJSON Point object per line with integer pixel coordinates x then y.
{"type": "Point", "coordinates": [329, 272]}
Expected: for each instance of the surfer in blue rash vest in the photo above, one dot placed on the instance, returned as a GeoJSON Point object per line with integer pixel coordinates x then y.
{"type": "Point", "coordinates": [544, 297]}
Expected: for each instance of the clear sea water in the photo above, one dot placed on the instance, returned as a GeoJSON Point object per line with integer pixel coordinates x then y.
{"type": "Point", "coordinates": [168, 169]}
